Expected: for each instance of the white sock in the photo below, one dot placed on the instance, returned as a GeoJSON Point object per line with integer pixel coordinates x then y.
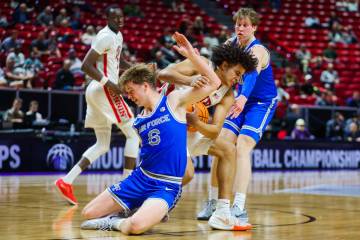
{"type": "Point", "coordinates": [117, 223]}
{"type": "Point", "coordinates": [239, 200]}
{"type": "Point", "coordinates": [74, 172]}
{"type": "Point", "coordinates": [126, 172]}
{"type": "Point", "coordinates": [213, 193]}
{"type": "Point", "coordinates": [223, 205]}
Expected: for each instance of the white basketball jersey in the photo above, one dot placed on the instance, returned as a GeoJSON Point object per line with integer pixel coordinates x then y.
{"type": "Point", "coordinates": [215, 97]}
{"type": "Point", "coordinates": [109, 45]}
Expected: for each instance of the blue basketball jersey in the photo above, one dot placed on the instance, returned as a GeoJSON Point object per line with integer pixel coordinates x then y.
{"type": "Point", "coordinates": [163, 150]}
{"type": "Point", "coordinates": [265, 88]}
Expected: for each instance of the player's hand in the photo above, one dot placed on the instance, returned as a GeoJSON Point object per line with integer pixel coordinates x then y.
{"type": "Point", "coordinates": [199, 81]}
{"type": "Point", "coordinates": [237, 107]}
{"type": "Point", "coordinates": [192, 118]}
{"type": "Point", "coordinates": [183, 46]}
{"type": "Point", "coordinates": [152, 66]}
{"type": "Point", "coordinates": [113, 87]}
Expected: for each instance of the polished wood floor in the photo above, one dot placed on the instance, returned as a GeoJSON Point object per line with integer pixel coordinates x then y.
{"type": "Point", "coordinates": [31, 209]}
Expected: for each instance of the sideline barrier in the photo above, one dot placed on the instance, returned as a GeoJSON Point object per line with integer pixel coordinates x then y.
{"type": "Point", "coordinates": [58, 151]}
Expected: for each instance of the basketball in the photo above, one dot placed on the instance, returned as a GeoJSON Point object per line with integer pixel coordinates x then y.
{"type": "Point", "coordinates": [202, 113]}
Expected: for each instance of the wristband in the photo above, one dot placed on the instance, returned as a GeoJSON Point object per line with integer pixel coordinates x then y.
{"type": "Point", "coordinates": [103, 80]}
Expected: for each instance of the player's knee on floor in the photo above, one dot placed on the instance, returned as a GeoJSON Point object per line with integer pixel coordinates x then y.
{"type": "Point", "coordinates": [137, 225]}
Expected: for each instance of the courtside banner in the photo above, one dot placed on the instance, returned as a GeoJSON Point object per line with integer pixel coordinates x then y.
{"type": "Point", "coordinates": [28, 153]}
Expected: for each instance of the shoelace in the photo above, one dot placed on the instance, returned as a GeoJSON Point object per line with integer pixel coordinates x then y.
{"type": "Point", "coordinates": [105, 224]}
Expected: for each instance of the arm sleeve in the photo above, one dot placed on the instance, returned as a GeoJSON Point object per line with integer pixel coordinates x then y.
{"type": "Point", "coordinates": [102, 43]}
{"type": "Point", "coordinates": [249, 80]}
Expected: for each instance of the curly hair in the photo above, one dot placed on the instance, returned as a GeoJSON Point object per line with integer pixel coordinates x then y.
{"type": "Point", "coordinates": [234, 55]}
{"type": "Point", "coordinates": [138, 74]}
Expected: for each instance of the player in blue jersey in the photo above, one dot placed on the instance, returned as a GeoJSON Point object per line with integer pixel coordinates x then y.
{"type": "Point", "coordinates": [155, 185]}
{"type": "Point", "coordinates": [251, 113]}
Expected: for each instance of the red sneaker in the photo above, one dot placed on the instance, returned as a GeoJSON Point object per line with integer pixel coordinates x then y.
{"type": "Point", "coordinates": [66, 191]}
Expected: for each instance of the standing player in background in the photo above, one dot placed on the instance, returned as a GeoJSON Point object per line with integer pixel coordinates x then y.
{"type": "Point", "coordinates": [105, 105]}
{"type": "Point", "coordinates": [251, 112]}
{"type": "Point", "coordinates": [155, 185]}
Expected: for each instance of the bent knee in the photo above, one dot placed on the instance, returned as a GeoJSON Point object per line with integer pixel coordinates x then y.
{"type": "Point", "coordinates": [86, 213]}
{"type": "Point", "coordinates": [137, 226]}
{"type": "Point", "coordinates": [90, 213]}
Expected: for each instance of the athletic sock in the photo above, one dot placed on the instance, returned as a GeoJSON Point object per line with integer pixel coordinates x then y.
{"type": "Point", "coordinates": [239, 200]}
{"type": "Point", "coordinates": [213, 193]}
{"type": "Point", "coordinates": [74, 172]}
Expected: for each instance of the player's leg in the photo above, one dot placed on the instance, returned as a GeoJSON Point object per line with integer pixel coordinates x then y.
{"type": "Point", "coordinates": [144, 218]}
{"type": "Point", "coordinates": [124, 196]}
{"type": "Point", "coordinates": [257, 118]}
{"type": "Point", "coordinates": [103, 205]}
{"type": "Point", "coordinates": [210, 204]}
{"type": "Point", "coordinates": [131, 147]}
{"type": "Point", "coordinates": [245, 145]}
{"type": "Point", "coordinates": [225, 150]}
{"type": "Point", "coordinates": [102, 145]}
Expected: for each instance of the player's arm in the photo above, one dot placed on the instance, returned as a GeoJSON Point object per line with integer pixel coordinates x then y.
{"type": "Point", "coordinates": [88, 66]}
{"type": "Point", "coordinates": [124, 64]}
{"type": "Point", "coordinates": [89, 63]}
{"type": "Point", "coordinates": [212, 130]}
{"type": "Point", "coordinates": [249, 80]}
{"type": "Point", "coordinates": [193, 95]}
{"type": "Point", "coordinates": [181, 73]}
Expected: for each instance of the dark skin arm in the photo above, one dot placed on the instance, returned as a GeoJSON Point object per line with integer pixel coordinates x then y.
{"type": "Point", "coordinates": [88, 67]}
{"type": "Point", "coordinates": [124, 64]}
{"type": "Point", "coordinates": [212, 130]}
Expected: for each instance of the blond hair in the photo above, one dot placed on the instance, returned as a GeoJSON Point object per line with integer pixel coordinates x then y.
{"type": "Point", "coordinates": [247, 12]}
{"type": "Point", "coordinates": [138, 74]}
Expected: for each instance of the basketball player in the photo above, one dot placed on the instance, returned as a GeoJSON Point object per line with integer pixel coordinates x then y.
{"type": "Point", "coordinates": [155, 185]}
{"type": "Point", "coordinates": [105, 105]}
{"type": "Point", "coordinates": [250, 114]}
{"type": "Point", "coordinates": [229, 63]}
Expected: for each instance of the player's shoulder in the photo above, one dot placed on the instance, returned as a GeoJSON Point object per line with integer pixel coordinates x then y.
{"type": "Point", "coordinates": [104, 33]}
{"type": "Point", "coordinates": [231, 40]}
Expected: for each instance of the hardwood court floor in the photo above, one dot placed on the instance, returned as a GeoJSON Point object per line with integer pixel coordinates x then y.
{"type": "Point", "coordinates": [31, 209]}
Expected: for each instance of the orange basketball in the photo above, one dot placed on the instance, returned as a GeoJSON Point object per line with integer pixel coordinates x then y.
{"type": "Point", "coordinates": [202, 113]}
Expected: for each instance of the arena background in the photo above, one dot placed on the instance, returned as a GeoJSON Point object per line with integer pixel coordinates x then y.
{"type": "Point", "coordinates": [304, 37]}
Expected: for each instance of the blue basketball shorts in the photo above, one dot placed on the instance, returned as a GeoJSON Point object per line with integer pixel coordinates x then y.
{"type": "Point", "coordinates": [133, 191]}
{"type": "Point", "coordinates": [253, 120]}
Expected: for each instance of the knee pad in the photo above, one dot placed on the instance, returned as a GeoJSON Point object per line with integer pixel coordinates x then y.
{"type": "Point", "coordinates": [132, 141]}
{"type": "Point", "coordinates": [102, 145]}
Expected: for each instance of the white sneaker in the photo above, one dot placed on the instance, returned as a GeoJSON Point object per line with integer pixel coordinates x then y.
{"type": "Point", "coordinates": [207, 211]}
{"type": "Point", "coordinates": [240, 214]}
{"type": "Point", "coordinates": [222, 221]}
{"type": "Point", "coordinates": [105, 223]}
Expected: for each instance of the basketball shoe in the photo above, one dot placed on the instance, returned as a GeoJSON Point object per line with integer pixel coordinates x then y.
{"type": "Point", "coordinates": [225, 221]}
{"type": "Point", "coordinates": [66, 191]}
{"type": "Point", "coordinates": [241, 215]}
{"type": "Point", "coordinates": [105, 223]}
{"type": "Point", "coordinates": [208, 210]}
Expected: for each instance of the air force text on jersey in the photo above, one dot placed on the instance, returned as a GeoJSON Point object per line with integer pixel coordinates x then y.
{"type": "Point", "coordinates": [155, 122]}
